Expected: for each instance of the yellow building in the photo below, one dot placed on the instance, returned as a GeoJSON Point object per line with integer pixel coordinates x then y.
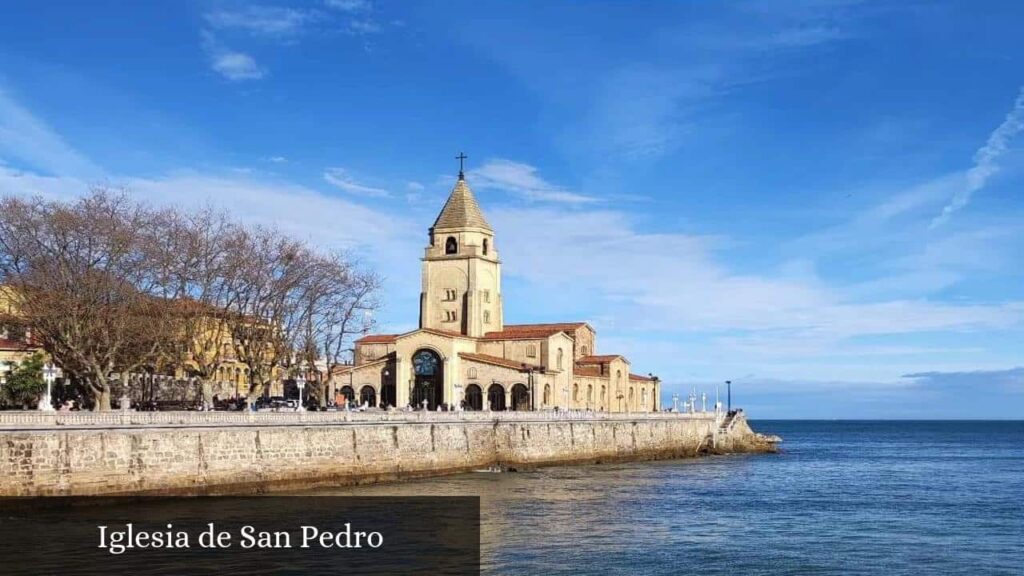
{"type": "Point", "coordinates": [464, 354]}
{"type": "Point", "coordinates": [16, 342]}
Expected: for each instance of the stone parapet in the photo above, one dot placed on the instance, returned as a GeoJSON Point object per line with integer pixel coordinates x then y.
{"type": "Point", "coordinates": [295, 451]}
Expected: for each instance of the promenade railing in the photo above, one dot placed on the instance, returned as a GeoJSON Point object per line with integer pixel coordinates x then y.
{"type": "Point", "coordinates": [15, 419]}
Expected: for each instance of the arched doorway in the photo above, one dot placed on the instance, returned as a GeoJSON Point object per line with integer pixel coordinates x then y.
{"type": "Point", "coordinates": [496, 397]}
{"type": "Point", "coordinates": [474, 397]}
{"type": "Point", "coordinates": [368, 396]}
{"type": "Point", "coordinates": [348, 393]}
{"type": "Point", "coordinates": [520, 397]}
{"type": "Point", "coordinates": [429, 382]}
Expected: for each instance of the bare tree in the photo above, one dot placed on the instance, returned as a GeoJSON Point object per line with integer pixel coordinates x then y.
{"type": "Point", "coordinates": [110, 286]}
{"type": "Point", "coordinates": [82, 275]}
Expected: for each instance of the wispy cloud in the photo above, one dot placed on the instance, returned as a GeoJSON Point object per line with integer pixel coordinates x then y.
{"type": "Point", "coordinates": [1007, 379]}
{"type": "Point", "coordinates": [349, 5]}
{"type": "Point", "coordinates": [233, 65]}
{"type": "Point", "coordinates": [341, 178]}
{"type": "Point", "coordinates": [269, 21]}
{"type": "Point", "coordinates": [522, 179]}
{"type": "Point", "coordinates": [985, 161]}
{"type": "Point", "coordinates": [26, 138]}
{"type": "Point", "coordinates": [236, 66]}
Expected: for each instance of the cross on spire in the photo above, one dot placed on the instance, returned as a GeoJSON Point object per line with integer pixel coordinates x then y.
{"type": "Point", "coordinates": [461, 157]}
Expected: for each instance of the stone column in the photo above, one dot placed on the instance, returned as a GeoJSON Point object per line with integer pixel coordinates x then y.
{"type": "Point", "coordinates": [403, 380]}
{"type": "Point", "coordinates": [508, 398]}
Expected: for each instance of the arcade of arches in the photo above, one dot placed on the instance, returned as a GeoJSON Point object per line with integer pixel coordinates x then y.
{"type": "Point", "coordinates": [464, 355]}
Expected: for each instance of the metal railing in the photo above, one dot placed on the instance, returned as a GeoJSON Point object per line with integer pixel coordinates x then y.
{"type": "Point", "coordinates": [34, 419]}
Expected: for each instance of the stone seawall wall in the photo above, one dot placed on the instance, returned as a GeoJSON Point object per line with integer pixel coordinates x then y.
{"type": "Point", "coordinates": [198, 460]}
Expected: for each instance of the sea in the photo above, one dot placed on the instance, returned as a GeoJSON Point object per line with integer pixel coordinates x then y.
{"type": "Point", "coordinates": [842, 497]}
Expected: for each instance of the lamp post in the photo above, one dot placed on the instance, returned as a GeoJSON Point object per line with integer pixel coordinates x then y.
{"type": "Point", "coordinates": [49, 375]}
{"type": "Point", "coordinates": [300, 381]}
{"type": "Point", "coordinates": [728, 388]}
{"type": "Point", "coordinates": [675, 402]}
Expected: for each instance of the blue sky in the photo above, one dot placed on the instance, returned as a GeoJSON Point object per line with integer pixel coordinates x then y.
{"type": "Point", "coordinates": [819, 200]}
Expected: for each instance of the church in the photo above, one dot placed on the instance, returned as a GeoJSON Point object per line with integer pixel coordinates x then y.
{"type": "Point", "coordinates": [464, 355]}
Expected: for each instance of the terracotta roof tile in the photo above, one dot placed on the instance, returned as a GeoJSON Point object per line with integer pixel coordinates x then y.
{"type": "Point", "coordinates": [377, 339]}
{"type": "Point", "coordinates": [503, 362]}
{"type": "Point", "coordinates": [18, 345]}
{"type": "Point", "coordinates": [533, 331]}
{"type": "Point", "coordinates": [589, 371]}
{"type": "Point", "coordinates": [603, 359]}
{"type": "Point", "coordinates": [641, 378]}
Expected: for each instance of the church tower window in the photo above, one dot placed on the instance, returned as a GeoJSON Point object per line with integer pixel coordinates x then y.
{"type": "Point", "coordinates": [450, 316]}
{"type": "Point", "coordinates": [558, 361]}
{"type": "Point", "coordinates": [451, 245]}
{"type": "Point", "coordinates": [486, 245]}
{"type": "Point", "coordinates": [487, 316]}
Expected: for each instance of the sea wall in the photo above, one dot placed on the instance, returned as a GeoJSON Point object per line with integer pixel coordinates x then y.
{"type": "Point", "coordinates": [204, 459]}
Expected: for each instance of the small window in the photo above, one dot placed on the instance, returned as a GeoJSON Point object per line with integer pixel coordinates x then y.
{"type": "Point", "coordinates": [487, 296]}
{"type": "Point", "coordinates": [583, 350]}
{"type": "Point", "coordinates": [450, 295]}
{"type": "Point", "coordinates": [486, 246]}
{"type": "Point", "coordinates": [531, 351]}
{"type": "Point", "coordinates": [558, 361]}
{"type": "Point", "coordinates": [450, 316]}
{"type": "Point", "coordinates": [471, 373]}
{"type": "Point", "coordinates": [487, 316]}
{"type": "Point", "coordinates": [451, 245]}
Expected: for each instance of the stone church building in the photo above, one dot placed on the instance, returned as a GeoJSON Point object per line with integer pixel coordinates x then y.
{"type": "Point", "coordinates": [465, 354]}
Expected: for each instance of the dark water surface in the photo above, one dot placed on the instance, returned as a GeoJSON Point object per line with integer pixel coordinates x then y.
{"type": "Point", "coordinates": [843, 498]}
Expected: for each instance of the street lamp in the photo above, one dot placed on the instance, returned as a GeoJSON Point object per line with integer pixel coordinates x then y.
{"type": "Point", "coordinates": [49, 375]}
{"type": "Point", "coordinates": [728, 387]}
{"type": "Point", "coordinates": [300, 381]}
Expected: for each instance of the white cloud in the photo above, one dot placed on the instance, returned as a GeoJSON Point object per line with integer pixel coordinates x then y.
{"type": "Point", "coordinates": [985, 160]}
{"type": "Point", "coordinates": [671, 282]}
{"type": "Point", "coordinates": [341, 178]}
{"type": "Point", "coordinates": [363, 27]}
{"type": "Point", "coordinates": [270, 21]}
{"type": "Point", "coordinates": [349, 5]}
{"type": "Point", "coordinates": [30, 140]}
{"type": "Point", "coordinates": [521, 179]}
{"type": "Point", "coordinates": [277, 159]}
{"type": "Point", "coordinates": [236, 66]}
{"type": "Point", "coordinates": [233, 65]}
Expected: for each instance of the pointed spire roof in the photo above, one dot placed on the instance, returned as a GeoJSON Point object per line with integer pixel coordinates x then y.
{"type": "Point", "coordinates": [461, 209]}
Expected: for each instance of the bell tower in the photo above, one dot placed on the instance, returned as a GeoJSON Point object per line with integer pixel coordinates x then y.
{"type": "Point", "coordinates": [461, 270]}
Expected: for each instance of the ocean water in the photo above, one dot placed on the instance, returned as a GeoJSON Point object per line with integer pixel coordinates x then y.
{"type": "Point", "coordinates": [842, 498]}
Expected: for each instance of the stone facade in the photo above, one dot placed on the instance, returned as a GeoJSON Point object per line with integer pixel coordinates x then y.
{"type": "Point", "coordinates": [255, 458]}
{"type": "Point", "coordinates": [464, 355]}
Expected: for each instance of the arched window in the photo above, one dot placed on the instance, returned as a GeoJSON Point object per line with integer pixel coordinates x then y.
{"type": "Point", "coordinates": [486, 246]}
{"type": "Point", "coordinates": [547, 394]}
{"type": "Point", "coordinates": [643, 398]}
{"type": "Point", "coordinates": [471, 373]}
{"type": "Point", "coordinates": [575, 392]}
{"type": "Point", "coordinates": [558, 361]}
{"type": "Point", "coordinates": [629, 406]}
{"type": "Point", "coordinates": [451, 245]}
{"type": "Point", "coordinates": [590, 394]}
